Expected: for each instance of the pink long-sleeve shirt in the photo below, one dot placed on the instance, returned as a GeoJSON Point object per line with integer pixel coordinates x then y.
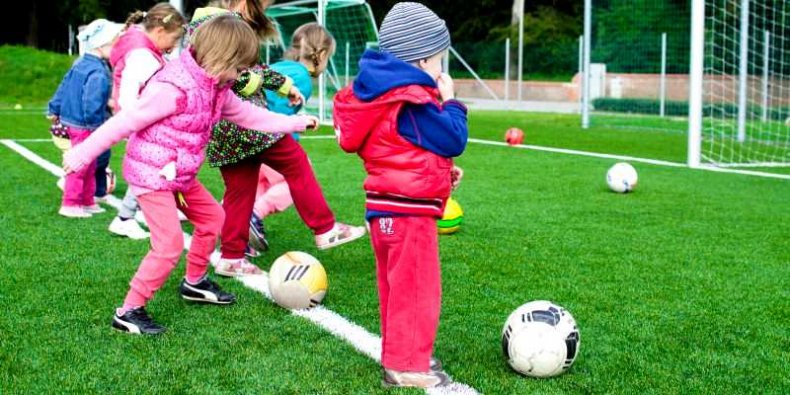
{"type": "Point", "coordinates": [159, 101]}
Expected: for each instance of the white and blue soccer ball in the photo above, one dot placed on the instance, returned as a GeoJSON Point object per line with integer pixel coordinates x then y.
{"type": "Point", "coordinates": [622, 178]}
{"type": "Point", "coordinates": [540, 339]}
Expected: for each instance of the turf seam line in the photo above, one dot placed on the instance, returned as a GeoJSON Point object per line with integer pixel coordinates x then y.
{"type": "Point", "coordinates": [358, 337]}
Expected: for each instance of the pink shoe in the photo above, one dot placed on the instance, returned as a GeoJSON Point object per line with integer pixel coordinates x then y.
{"type": "Point", "coordinates": [236, 267]}
{"type": "Point", "coordinates": [339, 234]}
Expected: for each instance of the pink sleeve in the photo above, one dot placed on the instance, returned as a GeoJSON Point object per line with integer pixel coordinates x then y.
{"type": "Point", "coordinates": [249, 116]}
{"type": "Point", "coordinates": [158, 101]}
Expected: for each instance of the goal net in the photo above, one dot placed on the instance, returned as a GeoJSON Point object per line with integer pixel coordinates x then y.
{"type": "Point", "coordinates": [746, 84]}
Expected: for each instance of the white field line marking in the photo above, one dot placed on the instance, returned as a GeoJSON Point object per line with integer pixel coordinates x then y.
{"type": "Point", "coordinates": [726, 169]}
{"type": "Point", "coordinates": [362, 340]}
{"type": "Point", "coordinates": [609, 156]}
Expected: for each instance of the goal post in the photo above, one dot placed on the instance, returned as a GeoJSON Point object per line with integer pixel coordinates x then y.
{"type": "Point", "coordinates": [739, 94]}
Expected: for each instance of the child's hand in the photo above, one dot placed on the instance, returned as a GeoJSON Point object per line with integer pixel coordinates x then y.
{"type": "Point", "coordinates": [456, 174]}
{"type": "Point", "coordinates": [53, 118]}
{"type": "Point", "coordinates": [311, 122]}
{"type": "Point", "coordinates": [295, 97]}
{"type": "Point", "coordinates": [446, 87]}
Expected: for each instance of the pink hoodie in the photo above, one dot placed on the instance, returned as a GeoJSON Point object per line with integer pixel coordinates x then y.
{"type": "Point", "coordinates": [173, 120]}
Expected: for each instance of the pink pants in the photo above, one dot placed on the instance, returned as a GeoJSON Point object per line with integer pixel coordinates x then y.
{"type": "Point", "coordinates": [81, 185]}
{"type": "Point", "coordinates": [273, 195]}
{"type": "Point", "coordinates": [410, 289]}
{"type": "Point", "coordinates": [167, 238]}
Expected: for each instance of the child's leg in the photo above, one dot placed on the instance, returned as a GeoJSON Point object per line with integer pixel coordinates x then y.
{"type": "Point", "coordinates": [273, 195]}
{"type": "Point", "coordinates": [289, 159]}
{"type": "Point", "coordinates": [101, 173]}
{"type": "Point", "coordinates": [240, 184]}
{"type": "Point", "coordinates": [89, 185]}
{"type": "Point", "coordinates": [72, 192]}
{"type": "Point", "coordinates": [129, 205]}
{"type": "Point", "coordinates": [167, 243]}
{"type": "Point", "coordinates": [409, 278]}
{"type": "Point", "coordinates": [207, 216]}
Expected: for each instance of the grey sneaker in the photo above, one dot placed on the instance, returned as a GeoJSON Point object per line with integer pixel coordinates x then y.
{"type": "Point", "coordinates": [433, 378]}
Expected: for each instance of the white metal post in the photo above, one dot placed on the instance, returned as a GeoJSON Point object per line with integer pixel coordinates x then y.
{"type": "Point", "coordinates": [71, 40]}
{"type": "Point", "coordinates": [697, 55]}
{"type": "Point", "coordinates": [507, 71]}
{"type": "Point", "coordinates": [446, 63]}
{"type": "Point", "coordinates": [743, 79]}
{"type": "Point", "coordinates": [268, 51]}
{"type": "Point", "coordinates": [581, 65]}
{"type": "Point", "coordinates": [520, 48]}
{"type": "Point", "coordinates": [663, 88]}
{"type": "Point", "coordinates": [766, 72]}
{"type": "Point", "coordinates": [322, 77]}
{"type": "Point", "coordinates": [586, 74]}
{"type": "Point", "coordinates": [348, 59]}
{"type": "Point", "coordinates": [178, 4]}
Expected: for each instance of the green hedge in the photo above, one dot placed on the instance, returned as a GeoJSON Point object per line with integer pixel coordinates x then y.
{"type": "Point", "coordinates": [680, 108]}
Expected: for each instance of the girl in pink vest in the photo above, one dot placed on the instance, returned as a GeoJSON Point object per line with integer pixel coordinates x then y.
{"type": "Point", "coordinates": [168, 129]}
{"type": "Point", "coordinates": [135, 58]}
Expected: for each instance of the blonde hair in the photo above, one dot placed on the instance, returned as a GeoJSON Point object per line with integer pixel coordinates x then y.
{"type": "Point", "coordinates": [223, 43]}
{"type": "Point", "coordinates": [161, 15]}
{"type": "Point", "coordinates": [254, 14]}
{"type": "Point", "coordinates": [311, 42]}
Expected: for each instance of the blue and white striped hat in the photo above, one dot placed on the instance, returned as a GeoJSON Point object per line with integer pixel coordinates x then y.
{"type": "Point", "coordinates": [411, 32]}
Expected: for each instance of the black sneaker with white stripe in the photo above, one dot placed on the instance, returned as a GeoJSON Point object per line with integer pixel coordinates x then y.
{"type": "Point", "coordinates": [206, 291]}
{"type": "Point", "coordinates": [136, 321]}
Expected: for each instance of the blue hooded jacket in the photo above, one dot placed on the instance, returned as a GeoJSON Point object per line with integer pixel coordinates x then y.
{"type": "Point", "coordinates": [82, 96]}
{"type": "Point", "coordinates": [439, 129]}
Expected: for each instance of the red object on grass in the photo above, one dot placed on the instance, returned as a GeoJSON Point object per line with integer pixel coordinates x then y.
{"type": "Point", "coordinates": [514, 136]}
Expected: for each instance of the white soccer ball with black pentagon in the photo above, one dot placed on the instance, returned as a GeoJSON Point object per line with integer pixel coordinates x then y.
{"type": "Point", "coordinates": [622, 178]}
{"type": "Point", "coordinates": [297, 280]}
{"type": "Point", "coordinates": [540, 339]}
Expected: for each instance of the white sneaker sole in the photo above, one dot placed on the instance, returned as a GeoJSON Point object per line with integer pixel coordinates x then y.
{"type": "Point", "coordinates": [340, 242]}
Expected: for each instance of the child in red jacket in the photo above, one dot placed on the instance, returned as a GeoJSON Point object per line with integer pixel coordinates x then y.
{"type": "Point", "coordinates": [401, 119]}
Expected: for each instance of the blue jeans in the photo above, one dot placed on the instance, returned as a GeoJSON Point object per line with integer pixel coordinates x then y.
{"type": "Point", "coordinates": [101, 173]}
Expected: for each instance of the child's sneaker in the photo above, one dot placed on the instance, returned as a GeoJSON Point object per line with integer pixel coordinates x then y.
{"type": "Point", "coordinates": [251, 252]}
{"type": "Point", "coordinates": [74, 212]}
{"type": "Point", "coordinates": [94, 209]}
{"type": "Point", "coordinates": [206, 291]}
{"type": "Point", "coordinates": [235, 267]}
{"type": "Point", "coordinates": [339, 234]}
{"type": "Point", "coordinates": [394, 378]}
{"type": "Point", "coordinates": [136, 321]}
{"type": "Point", "coordinates": [258, 234]}
{"type": "Point", "coordinates": [128, 228]}
{"type": "Point", "coordinates": [101, 199]}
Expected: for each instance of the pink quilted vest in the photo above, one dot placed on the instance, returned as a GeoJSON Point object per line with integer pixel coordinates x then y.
{"type": "Point", "coordinates": [133, 38]}
{"type": "Point", "coordinates": [180, 138]}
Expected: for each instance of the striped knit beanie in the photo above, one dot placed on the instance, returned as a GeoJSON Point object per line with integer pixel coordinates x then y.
{"type": "Point", "coordinates": [411, 32]}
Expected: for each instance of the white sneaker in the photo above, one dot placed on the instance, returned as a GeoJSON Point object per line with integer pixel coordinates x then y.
{"type": "Point", "coordinates": [339, 234]}
{"type": "Point", "coordinates": [61, 183]}
{"type": "Point", "coordinates": [101, 199]}
{"type": "Point", "coordinates": [94, 209]}
{"type": "Point", "coordinates": [235, 267]}
{"type": "Point", "coordinates": [129, 228]}
{"type": "Point", "coordinates": [73, 212]}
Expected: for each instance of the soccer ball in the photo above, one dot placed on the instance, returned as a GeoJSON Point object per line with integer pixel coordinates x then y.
{"type": "Point", "coordinates": [451, 219]}
{"type": "Point", "coordinates": [110, 181]}
{"type": "Point", "coordinates": [622, 178]}
{"type": "Point", "coordinates": [514, 136]}
{"type": "Point", "coordinates": [297, 280]}
{"type": "Point", "coordinates": [540, 339]}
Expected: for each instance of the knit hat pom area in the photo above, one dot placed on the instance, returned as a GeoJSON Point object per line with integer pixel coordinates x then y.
{"type": "Point", "coordinates": [411, 32]}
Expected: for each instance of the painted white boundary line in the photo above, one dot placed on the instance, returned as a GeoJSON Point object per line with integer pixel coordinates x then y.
{"type": "Point", "coordinates": [580, 153]}
{"type": "Point", "coordinates": [362, 340]}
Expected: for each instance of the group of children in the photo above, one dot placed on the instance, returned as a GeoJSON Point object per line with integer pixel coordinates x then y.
{"type": "Point", "coordinates": [399, 116]}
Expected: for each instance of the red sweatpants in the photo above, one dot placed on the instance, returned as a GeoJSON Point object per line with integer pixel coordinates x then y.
{"type": "Point", "coordinates": [241, 183]}
{"type": "Point", "coordinates": [410, 289]}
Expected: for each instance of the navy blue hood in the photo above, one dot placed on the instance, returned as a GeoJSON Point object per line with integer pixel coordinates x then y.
{"type": "Point", "coordinates": [380, 72]}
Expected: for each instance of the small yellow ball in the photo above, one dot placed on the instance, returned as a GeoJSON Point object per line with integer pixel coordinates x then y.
{"type": "Point", "coordinates": [452, 218]}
